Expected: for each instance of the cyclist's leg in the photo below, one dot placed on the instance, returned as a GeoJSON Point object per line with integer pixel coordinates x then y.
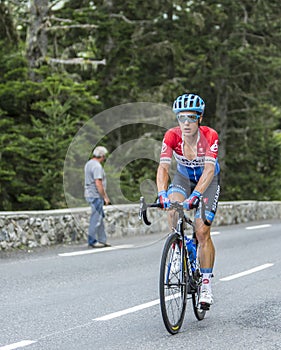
{"type": "Point", "coordinates": [179, 190]}
{"type": "Point", "coordinates": [203, 230]}
{"type": "Point", "coordinates": [172, 214]}
{"type": "Point", "coordinates": [206, 259]}
{"type": "Point", "coordinates": [207, 249]}
{"type": "Point", "coordinates": [203, 233]}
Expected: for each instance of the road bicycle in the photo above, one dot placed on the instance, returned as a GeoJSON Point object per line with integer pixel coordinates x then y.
{"type": "Point", "coordinates": [180, 277]}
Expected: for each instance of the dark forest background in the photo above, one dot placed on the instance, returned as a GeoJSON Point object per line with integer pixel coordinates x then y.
{"type": "Point", "coordinates": [62, 62]}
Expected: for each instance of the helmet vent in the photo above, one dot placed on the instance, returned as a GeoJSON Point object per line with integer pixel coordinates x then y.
{"type": "Point", "coordinates": [190, 102]}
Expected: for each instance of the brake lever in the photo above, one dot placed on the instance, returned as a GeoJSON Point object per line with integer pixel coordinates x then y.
{"type": "Point", "coordinates": [142, 207]}
{"type": "Point", "coordinates": [143, 210]}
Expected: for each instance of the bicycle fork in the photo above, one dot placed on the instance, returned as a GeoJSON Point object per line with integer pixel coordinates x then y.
{"type": "Point", "coordinates": [175, 265]}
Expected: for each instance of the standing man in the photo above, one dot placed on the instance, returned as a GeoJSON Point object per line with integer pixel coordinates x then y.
{"type": "Point", "coordinates": [195, 149]}
{"type": "Point", "coordinates": [95, 194]}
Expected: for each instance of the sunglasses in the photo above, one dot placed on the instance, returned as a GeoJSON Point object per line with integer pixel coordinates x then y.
{"type": "Point", "coordinates": [191, 118]}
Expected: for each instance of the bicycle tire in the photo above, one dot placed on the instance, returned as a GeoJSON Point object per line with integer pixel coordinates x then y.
{"type": "Point", "coordinates": [173, 285]}
{"type": "Point", "coordinates": [199, 313]}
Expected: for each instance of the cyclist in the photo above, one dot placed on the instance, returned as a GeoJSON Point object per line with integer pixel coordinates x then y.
{"type": "Point", "coordinates": [195, 149]}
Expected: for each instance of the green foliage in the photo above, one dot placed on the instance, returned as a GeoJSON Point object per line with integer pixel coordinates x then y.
{"type": "Point", "coordinates": [135, 180]}
{"type": "Point", "coordinates": [43, 119]}
{"type": "Point", "coordinates": [228, 52]}
{"type": "Point", "coordinates": [256, 159]}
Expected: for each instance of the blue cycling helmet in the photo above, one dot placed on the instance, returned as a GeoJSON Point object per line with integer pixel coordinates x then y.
{"type": "Point", "coordinates": [189, 102]}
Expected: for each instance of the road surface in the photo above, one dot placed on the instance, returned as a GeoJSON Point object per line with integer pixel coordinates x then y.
{"type": "Point", "coordinates": [73, 298]}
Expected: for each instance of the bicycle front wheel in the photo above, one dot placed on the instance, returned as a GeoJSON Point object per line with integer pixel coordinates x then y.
{"type": "Point", "coordinates": [173, 283]}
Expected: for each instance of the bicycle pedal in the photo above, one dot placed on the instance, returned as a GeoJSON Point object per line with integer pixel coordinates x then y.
{"type": "Point", "coordinates": [204, 306]}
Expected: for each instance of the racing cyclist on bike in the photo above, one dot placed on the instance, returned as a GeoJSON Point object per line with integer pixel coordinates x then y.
{"type": "Point", "coordinates": [195, 149]}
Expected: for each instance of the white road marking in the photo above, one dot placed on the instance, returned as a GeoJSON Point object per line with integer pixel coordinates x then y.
{"type": "Point", "coordinates": [133, 309]}
{"type": "Point", "coordinates": [214, 233]}
{"type": "Point", "coordinates": [127, 311]}
{"type": "Point", "coordinates": [18, 345]}
{"type": "Point", "coordinates": [248, 272]}
{"type": "Point", "coordinates": [96, 250]}
{"type": "Point", "coordinates": [257, 227]}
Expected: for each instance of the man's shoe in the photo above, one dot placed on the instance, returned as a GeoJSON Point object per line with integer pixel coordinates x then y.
{"type": "Point", "coordinates": [205, 299]}
{"type": "Point", "coordinates": [100, 245]}
{"type": "Point", "coordinates": [96, 245]}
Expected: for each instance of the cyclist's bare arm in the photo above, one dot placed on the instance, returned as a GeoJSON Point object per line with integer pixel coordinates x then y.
{"type": "Point", "coordinates": [206, 177]}
{"type": "Point", "coordinates": [162, 177]}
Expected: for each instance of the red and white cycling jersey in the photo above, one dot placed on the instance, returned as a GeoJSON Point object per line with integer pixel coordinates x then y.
{"type": "Point", "coordinates": [207, 152]}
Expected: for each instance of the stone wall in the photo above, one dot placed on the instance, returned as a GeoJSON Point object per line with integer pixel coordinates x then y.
{"type": "Point", "coordinates": [44, 228]}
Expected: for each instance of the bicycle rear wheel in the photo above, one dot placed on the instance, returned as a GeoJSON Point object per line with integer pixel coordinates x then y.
{"type": "Point", "coordinates": [198, 312]}
{"type": "Point", "coordinates": [173, 284]}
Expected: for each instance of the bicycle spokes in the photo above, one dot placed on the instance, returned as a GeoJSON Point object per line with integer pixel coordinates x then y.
{"type": "Point", "coordinates": [173, 284]}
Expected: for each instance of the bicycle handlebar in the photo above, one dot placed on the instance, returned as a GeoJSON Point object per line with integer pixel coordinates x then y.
{"type": "Point", "coordinates": [144, 206]}
{"type": "Point", "coordinates": [173, 205]}
{"type": "Point", "coordinates": [143, 210]}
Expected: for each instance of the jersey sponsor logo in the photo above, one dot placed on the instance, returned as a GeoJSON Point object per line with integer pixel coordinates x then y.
{"type": "Point", "coordinates": [215, 146]}
{"type": "Point", "coordinates": [197, 162]}
{"type": "Point", "coordinates": [216, 199]}
{"type": "Point", "coordinates": [205, 281]}
{"type": "Point", "coordinates": [164, 147]}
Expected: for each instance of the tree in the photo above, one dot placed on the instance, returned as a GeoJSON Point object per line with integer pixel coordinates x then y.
{"type": "Point", "coordinates": [7, 26]}
{"type": "Point", "coordinates": [86, 57]}
{"type": "Point", "coordinates": [231, 58]}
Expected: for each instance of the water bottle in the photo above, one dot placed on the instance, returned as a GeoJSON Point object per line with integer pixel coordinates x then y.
{"type": "Point", "coordinates": [191, 247]}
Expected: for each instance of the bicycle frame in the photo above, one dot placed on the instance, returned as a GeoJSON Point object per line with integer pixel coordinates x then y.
{"type": "Point", "coordinates": [180, 228]}
{"type": "Point", "coordinates": [182, 219]}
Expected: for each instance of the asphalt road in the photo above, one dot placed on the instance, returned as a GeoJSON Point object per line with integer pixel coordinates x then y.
{"type": "Point", "coordinates": [73, 298]}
